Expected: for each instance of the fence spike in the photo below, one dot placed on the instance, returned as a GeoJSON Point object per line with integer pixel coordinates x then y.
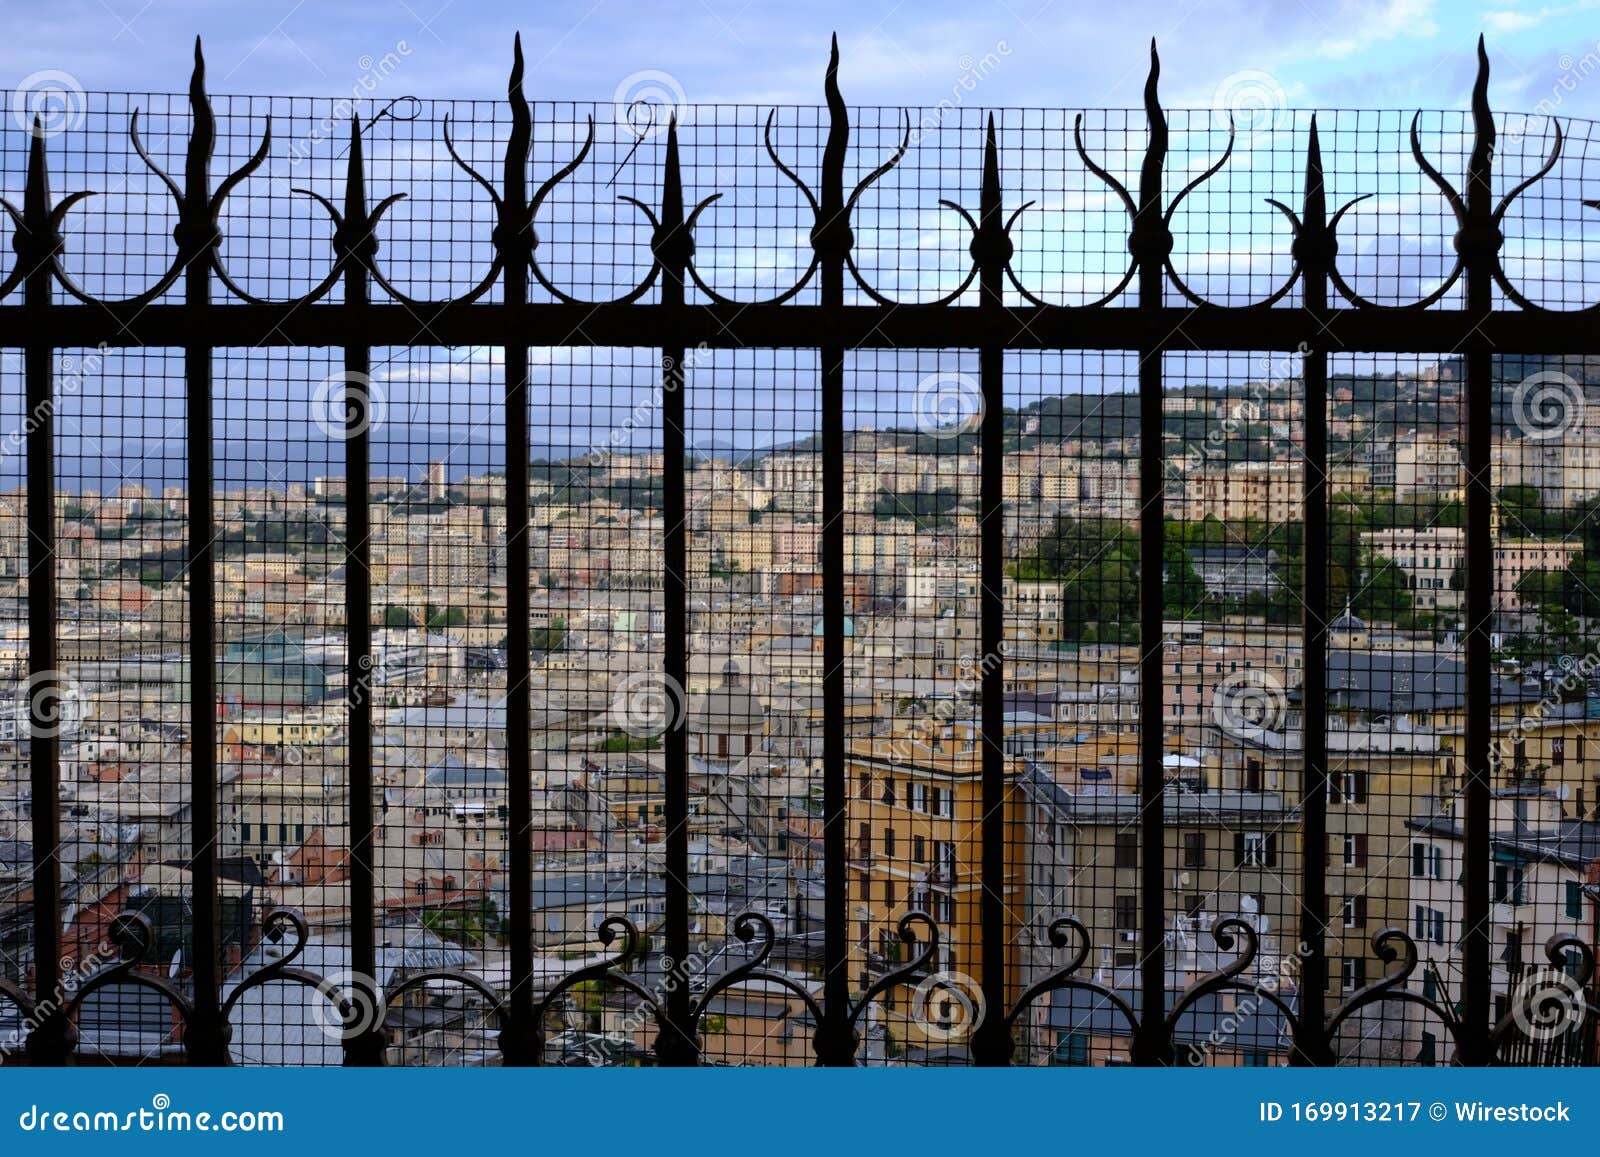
{"type": "Point", "coordinates": [831, 236]}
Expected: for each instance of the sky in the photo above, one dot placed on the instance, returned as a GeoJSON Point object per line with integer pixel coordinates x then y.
{"type": "Point", "coordinates": [1327, 53]}
{"type": "Point", "coordinates": [1253, 58]}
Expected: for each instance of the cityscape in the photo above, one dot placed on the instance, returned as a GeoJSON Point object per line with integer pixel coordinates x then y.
{"type": "Point", "coordinates": [752, 707]}
{"type": "Point", "coordinates": [751, 575]}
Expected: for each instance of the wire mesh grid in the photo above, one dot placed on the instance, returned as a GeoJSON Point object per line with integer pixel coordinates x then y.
{"type": "Point", "coordinates": [1233, 775]}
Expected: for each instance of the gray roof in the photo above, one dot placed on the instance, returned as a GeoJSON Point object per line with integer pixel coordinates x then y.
{"type": "Point", "coordinates": [1573, 843]}
{"type": "Point", "coordinates": [1182, 807]}
{"type": "Point", "coordinates": [1396, 682]}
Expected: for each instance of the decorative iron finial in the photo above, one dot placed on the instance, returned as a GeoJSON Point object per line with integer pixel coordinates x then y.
{"type": "Point", "coordinates": [1150, 241]}
{"type": "Point", "coordinates": [36, 239]}
{"type": "Point", "coordinates": [991, 246]}
{"type": "Point", "coordinates": [1479, 237]}
{"type": "Point", "coordinates": [831, 236]}
{"type": "Point", "coordinates": [672, 243]}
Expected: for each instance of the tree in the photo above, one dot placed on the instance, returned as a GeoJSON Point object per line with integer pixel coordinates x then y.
{"type": "Point", "coordinates": [394, 616]}
{"type": "Point", "coordinates": [549, 638]}
{"type": "Point", "coordinates": [445, 617]}
{"type": "Point", "coordinates": [1184, 593]}
{"type": "Point", "coordinates": [1539, 587]}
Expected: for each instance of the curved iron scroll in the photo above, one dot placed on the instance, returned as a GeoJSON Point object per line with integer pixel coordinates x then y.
{"type": "Point", "coordinates": [1553, 1006]}
{"type": "Point", "coordinates": [198, 235]}
{"type": "Point", "coordinates": [1066, 977]}
{"type": "Point", "coordinates": [1398, 952]}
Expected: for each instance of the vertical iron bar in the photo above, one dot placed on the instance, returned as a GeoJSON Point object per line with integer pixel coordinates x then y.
{"type": "Point", "coordinates": [1314, 249]}
{"type": "Point", "coordinates": [50, 1041]}
{"type": "Point", "coordinates": [1150, 243]}
{"type": "Point", "coordinates": [836, 1043]}
{"type": "Point", "coordinates": [206, 1040]}
{"type": "Point", "coordinates": [672, 247]}
{"type": "Point", "coordinates": [520, 1042]}
{"type": "Point", "coordinates": [992, 1043]}
{"type": "Point", "coordinates": [356, 248]}
{"type": "Point", "coordinates": [1477, 243]}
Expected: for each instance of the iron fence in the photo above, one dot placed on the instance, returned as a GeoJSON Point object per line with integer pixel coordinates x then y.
{"type": "Point", "coordinates": [726, 242]}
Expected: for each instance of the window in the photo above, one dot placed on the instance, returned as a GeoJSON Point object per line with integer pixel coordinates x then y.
{"type": "Point", "coordinates": [1354, 911]}
{"type": "Point", "coordinates": [888, 791]}
{"type": "Point", "coordinates": [944, 907]}
{"type": "Point", "coordinates": [1194, 849]}
{"type": "Point", "coordinates": [1355, 851]}
{"type": "Point", "coordinates": [919, 849]}
{"type": "Point", "coordinates": [1126, 853]}
{"type": "Point", "coordinates": [1508, 884]}
{"type": "Point", "coordinates": [1126, 913]}
{"type": "Point", "coordinates": [920, 797]}
{"type": "Point", "coordinates": [1072, 1048]}
{"type": "Point", "coordinates": [1429, 924]}
{"type": "Point", "coordinates": [1427, 861]}
{"type": "Point", "coordinates": [941, 801]}
{"type": "Point", "coordinates": [1347, 787]}
{"type": "Point", "coordinates": [1428, 1050]}
{"type": "Point", "coordinates": [1558, 751]}
{"type": "Point", "coordinates": [1574, 900]}
{"type": "Point", "coordinates": [1352, 973]}
{"type": "Point", "coordinates": [1255, 850]}
{"type": "Point", "coordinates": [888, 843]}
{"type": "Point", "coordinates": [866, 786]}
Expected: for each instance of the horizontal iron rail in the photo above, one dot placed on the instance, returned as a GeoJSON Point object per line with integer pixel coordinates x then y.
{"type": "Point", "coordinates": [802, 326]}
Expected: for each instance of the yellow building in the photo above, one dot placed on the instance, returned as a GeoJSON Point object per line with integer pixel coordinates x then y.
{"type": "Point", "coordinates": [915, 845]}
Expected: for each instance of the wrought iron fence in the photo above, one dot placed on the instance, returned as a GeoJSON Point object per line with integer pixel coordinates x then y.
{"type": "Point", "coordinates": [727, 243]}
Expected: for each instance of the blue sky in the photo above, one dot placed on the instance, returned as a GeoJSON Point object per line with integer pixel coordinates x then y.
{"type": "Point", "coordinates": [1249, 56]}
{"type": "Point", "coordinates": [1385, 53]}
